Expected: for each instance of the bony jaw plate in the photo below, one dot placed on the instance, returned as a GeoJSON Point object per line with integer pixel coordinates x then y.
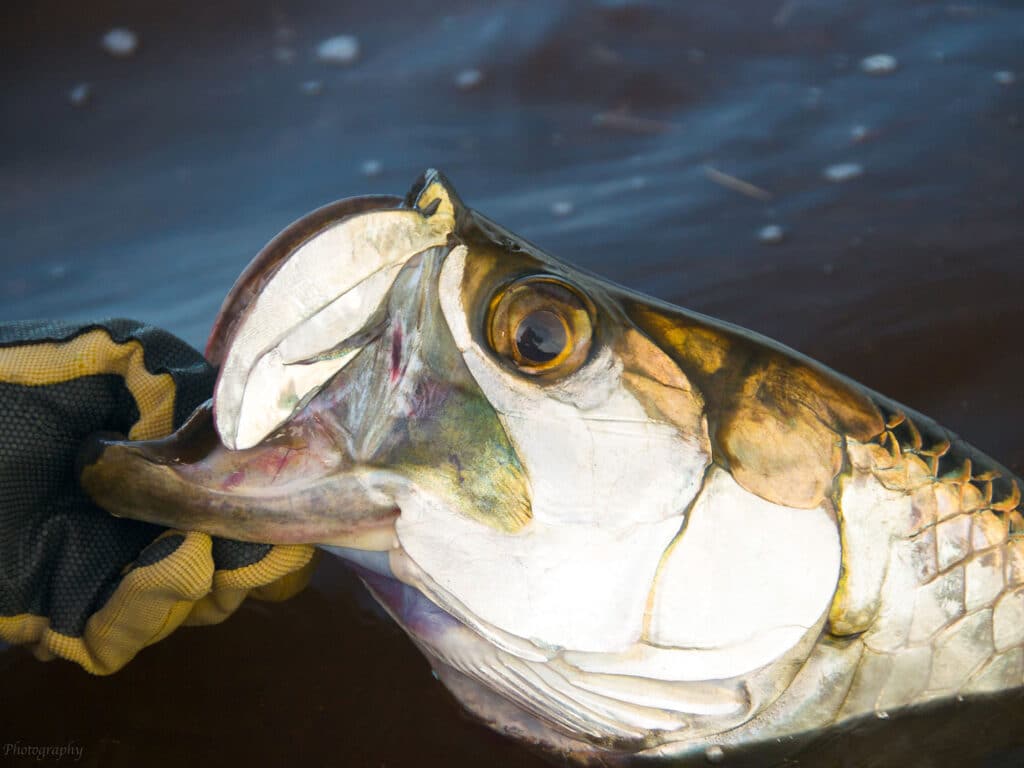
{"type": "Point", "coordinates": [314, 315]}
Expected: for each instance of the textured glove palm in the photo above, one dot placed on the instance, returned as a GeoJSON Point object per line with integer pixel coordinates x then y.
{"type": "Point", "coordinates": [76, 582]}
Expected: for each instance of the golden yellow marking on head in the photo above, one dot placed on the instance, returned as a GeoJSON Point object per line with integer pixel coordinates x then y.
{"type": "Point", "coordinates": [705, 349]}
{"type": "Point", "coordinates": [437, 192]}
{"type": "Point", "coordinates": [661, 388]}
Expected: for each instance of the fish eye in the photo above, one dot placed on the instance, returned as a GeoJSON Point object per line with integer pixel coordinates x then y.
{"type": "Point", "coordinates": [540, 338]}
{"type": "Point", "coordinates": [541, 325]}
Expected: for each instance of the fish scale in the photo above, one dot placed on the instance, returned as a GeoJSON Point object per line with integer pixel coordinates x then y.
{"type": "Point", "coordinates": [948, 614]}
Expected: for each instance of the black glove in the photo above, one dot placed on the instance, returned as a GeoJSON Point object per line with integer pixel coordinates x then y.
{"type": "Point", "coordinates": [75, 581]}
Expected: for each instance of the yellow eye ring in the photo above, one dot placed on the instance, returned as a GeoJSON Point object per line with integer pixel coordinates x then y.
{"type": "Point", "coordinates": [541, 326]}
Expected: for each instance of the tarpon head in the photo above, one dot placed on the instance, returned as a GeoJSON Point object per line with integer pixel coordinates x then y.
{"type": "Point", "coordinates": [607, 522]}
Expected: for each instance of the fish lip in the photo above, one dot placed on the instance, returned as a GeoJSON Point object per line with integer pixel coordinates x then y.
{"type": "Point", "coordinates": [269, 259]}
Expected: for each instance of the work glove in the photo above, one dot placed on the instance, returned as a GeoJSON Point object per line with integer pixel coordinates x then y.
{"type": "Point", "coordinates": [76, 582]}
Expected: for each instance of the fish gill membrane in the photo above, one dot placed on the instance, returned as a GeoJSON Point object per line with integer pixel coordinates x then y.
{"type": "Point", "coordinates": [617, 529]}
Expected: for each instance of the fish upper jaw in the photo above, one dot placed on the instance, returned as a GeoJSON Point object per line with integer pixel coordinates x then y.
{"type": "Point", "coordinates": [313, 313]}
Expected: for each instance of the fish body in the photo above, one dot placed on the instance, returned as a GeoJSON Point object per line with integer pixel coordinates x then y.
{"type": "Point", "coordinates": [616, 528]}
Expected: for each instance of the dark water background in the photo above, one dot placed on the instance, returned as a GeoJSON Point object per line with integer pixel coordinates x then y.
{"type": "Point", "coordinates": [191, 154]}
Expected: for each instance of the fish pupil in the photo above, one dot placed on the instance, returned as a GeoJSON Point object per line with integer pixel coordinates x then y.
{"type": "Point", "coordinates": [541, 337]}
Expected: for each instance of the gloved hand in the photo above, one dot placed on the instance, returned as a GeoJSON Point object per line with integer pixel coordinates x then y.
{"type": "Point", "coordinates": [76, 582]}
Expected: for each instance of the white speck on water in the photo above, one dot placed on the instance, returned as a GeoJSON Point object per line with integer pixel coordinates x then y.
{"type": "Point", "coordinates": [80, 95]}
{"type": "Point", "coordinates": [371, 168]}
{"type": "Point", "coordinates": [57, 271]}
{"type": "Point", "coordinates": [772, 234]}
{"type": "Point", "coordinates": [562, 208]}
{"type": "Point", "coordinates": [312, 87]}
{"type": "Point", "coordinates": [882, 714]}
{"type": "Point", "coordinates": [841, 172]}
{"type": "Point", "coordinates": [338, 50]}
{"type": "Point", "coordinates": [860, 133]}
{"type": "Point", "coordinates": [120, 42]}
{"type": "Point", "coordinates": [468, 79]}
{"type": "Point", "coordinates": [1005, 77]}
{"type": "Point", "coordinates": [813, 96]}
{"type": "Point", "coordinates": [879, 64]}
{"type": "Point", "coordinates": [714, 754]}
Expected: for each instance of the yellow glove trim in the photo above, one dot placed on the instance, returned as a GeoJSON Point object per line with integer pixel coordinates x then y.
{"type": "Point", "coordinates": [149, 604]}
{"type": "Point", "coordinates": [90, 354]}
{"type": "Point", "coordinates": [284, 571]}
{"type": "Point", "coordinates": [289, 584]}
{"type": "Point", "coordinates": [154, 600]}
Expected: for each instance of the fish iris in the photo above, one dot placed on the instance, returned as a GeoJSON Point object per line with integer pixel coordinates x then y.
{"type": "Point", "coordinates": [541, 326]}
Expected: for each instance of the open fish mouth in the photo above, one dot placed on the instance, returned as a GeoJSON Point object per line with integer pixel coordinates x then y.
{"type": "Point", "coordinates": [613, 526]}
{"type": "Point", "coordinates": [241, 466]}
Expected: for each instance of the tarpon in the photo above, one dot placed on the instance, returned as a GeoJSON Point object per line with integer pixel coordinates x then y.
{"type": "Point", "coordinates": [615, 527]}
